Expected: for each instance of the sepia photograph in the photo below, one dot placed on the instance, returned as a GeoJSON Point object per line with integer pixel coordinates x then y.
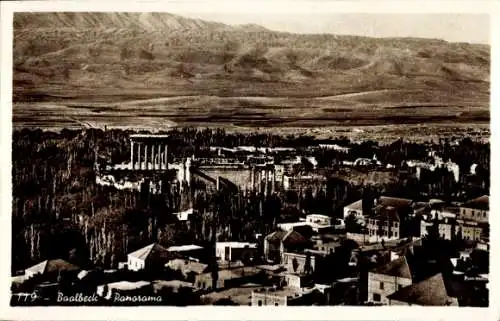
{"type": "Point", "coordinates": [250, 159]}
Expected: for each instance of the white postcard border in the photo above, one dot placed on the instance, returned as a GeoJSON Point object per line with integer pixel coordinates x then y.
{"type": "Point", "coordinates": [244, 313]}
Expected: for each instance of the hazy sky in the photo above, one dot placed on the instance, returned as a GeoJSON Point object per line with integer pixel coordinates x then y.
{"type": "Point", "coordinates": [473, 28]}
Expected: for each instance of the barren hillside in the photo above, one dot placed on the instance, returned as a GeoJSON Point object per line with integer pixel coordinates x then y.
{"type": "Point", "coordinates": [110, 57]}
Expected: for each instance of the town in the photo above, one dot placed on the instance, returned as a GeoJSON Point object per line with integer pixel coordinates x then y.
{"type": "Point", "coordinates": [205, 217]}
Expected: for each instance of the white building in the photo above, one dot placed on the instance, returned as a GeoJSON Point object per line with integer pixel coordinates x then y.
{"type": "Point", "coordinates": [184, 215]}
{"type": "Point", "coordinates": [316, 222]}
{"type": "Point", "coordinates": [235, 251]}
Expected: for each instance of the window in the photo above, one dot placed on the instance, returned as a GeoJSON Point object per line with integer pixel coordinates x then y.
{"type": "Point", "coordinates": [276, 304]}
{"type": "Point", "coordinates": [260, 303]}
{"type": "Point", "coordinates": [395, 234]}
{"type": "Point", "coordinates": [473, 213]}
{"type": "Point", "coordinates": [381, 285]}
{"type": "Point", "coordinates": [400, 286]}
{"type": "Point", "coordinates": [396, 224]}
{"type": "Point", "coordinates": [376, 297]}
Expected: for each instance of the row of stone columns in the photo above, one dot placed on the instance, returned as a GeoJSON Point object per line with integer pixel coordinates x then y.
{"type": "Point", "coordinates": [148, 156]}
{"type": "Point", "coordinates": [263, 179]}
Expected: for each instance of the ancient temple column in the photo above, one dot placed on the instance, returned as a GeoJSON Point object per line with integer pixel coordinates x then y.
{"type": "Point", "coordinates": [145, 156]}
{"type": "Point", "coordinates": [158, 157]}
{"type": "Point", "coordinates": [152, 157]}
{"type": "Point", "coordinates": [132, 161]}
{"type": "Point", "coordinates": [166, 156]}
{"type": "Point", "coordinates": [273, 181]}
{"type": "Point", "coordinates": [258, 181]}
{"type": "Point", "coordinates": [252, 178]}
{"type": "Point", "coordinates": [139, 156]}
{"type": "Point", "coordinates": [266, 187]}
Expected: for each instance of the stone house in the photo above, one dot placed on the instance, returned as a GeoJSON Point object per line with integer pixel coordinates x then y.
{"type": "Point", "coordinates": [388, 279]}
{"type": "Point", "coordinates": [280, 242]}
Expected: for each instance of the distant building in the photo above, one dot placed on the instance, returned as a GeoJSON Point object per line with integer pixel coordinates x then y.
{"type": "Point", "coordinates": [443, 212]}
{"type": "Point", "coordinates": [483, 245]}
{"type": "Point", "coordinates": [188, 268]}
{"type": "Point", "coordinates": [227, 278]}
{"type": "Point", "coordinates": [296, 183]}
{"type": "Point", "coordinates": [384, 224]}
{"type": "Point", "coordinates": [299, 263]}
{"type": "Point", "coordinates": [388, 279]}
{"type": "Point", "coordinates": [335, 147]}
{"type": "Point", "coordinates": [402, 204]}
{"type": "Point", "coordinates": [476, 210]}
{"type": "Point", "coordinates": [51, 269]}
{"type": "Point", "coordinates": [314, 222]}
{"type": "Point", "coordinates": [391, 218]}
{"type": "Point", "coordinates": [446, 229]}
{"type": "Point", "coordinates": [298, 281]}
{"type": "Point", "coordinates": [321, 220]}
{"type": "Point", "coordinates": [326, 246]}
{"type": "Point", "coordinates": [438, 163]}
{"type": "Point", "coordinates": [469, 230]}
{"type": "Point", "coordinates": [151, 256]}
{"type": "Point", "coordinates": [287, 296]}
{"type": "Point", "coordinates": [279, 242]}
{"type": "Point", "coordinates": [301, 227]}
{"type": "Point", "coordinates": [190, 250]}
{"type": "Point", "coordinates": [234, 251]}
{"type": "Point", "coordinates": [429, 292]}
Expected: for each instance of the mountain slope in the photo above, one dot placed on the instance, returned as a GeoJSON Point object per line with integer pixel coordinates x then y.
{"type": "Point", "coordinates": [120, 56]}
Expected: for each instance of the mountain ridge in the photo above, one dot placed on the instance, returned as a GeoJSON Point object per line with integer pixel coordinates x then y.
{"type": "Point", "coordinates": [120, 56]}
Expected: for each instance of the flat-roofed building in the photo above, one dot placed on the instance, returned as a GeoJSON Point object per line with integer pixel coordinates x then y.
{"type": "Point", "coordinates": [189, 250]}
{"type": "Point", "coordinates": [235, 251]}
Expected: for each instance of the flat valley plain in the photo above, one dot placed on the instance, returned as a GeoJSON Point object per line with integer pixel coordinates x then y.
{"type": "Point", "coordinates": [158, 71]}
